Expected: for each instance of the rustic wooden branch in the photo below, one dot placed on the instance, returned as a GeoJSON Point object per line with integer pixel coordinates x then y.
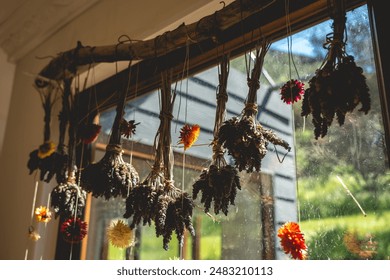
{"type": "Point", "coordinates": [67, 63]}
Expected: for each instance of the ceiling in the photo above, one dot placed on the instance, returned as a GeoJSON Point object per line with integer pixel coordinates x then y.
{"type": "Point", "coordinates": [25, 24]}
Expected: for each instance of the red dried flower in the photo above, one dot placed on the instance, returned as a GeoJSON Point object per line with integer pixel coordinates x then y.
{"type": "Point", "coordinates": [188, 135]}
{"type": "Point", "coordinates": [74, 230]}
{"type": "Point", "coordinates": [128, 128]}
{"type": "Point", "coordinates": [292, 91]}
{"type": "Point", "coordinates": [292, 240]}
{"type": "Point", "coordinates": [88, 133]}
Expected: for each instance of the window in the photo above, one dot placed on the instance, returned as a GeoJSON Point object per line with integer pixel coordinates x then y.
{"type": "Point", "coordinates": [327, 185]}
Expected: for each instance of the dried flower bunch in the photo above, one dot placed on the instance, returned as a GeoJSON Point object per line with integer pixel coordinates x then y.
{"type": "Point", "coordinates": [292, 91]}
{"type": "Point", "coordinates": [169, 207]}
{"type": "Point", "coordinates": [174, 214]}
{"type": "Point", "coordinates": [111, 176]}
{"type": "Point", "coordinates": [120, 235]}
{"type": "Point", "coordinates": [245, 139]}
{"type": "Point", "coordinates": [292, 240]}
{"type": "Point", "coordinates": [68, 198]}
{"type": "Point", "coordinates": [188, 135]}
{"type": "Point", "coordinates": [338, 85]}
{"type": "Point", "coordinates": [73, 230]}
{"type": "Point", "coordinates": [218, 185]}
{"type": "Point", "coordinates": [42, 158]}
{"type": "Point", "coordinates": [141, 203]}
{"type": "Point", "coordinates": [219, 182]}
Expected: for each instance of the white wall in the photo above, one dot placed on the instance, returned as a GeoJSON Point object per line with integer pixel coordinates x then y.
{"type": "Point", "coordinates": [100, 25]}
{"type": "Point", "coordinates": [7, 71]}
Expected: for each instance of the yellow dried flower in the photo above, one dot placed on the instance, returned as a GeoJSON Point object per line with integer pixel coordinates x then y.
{"type": "Point", "coordinates": [42, 214]}
{"type": "Point", "coordinates": [32, 234]}
{"type": "Point", "coordinates": [46, 149]}
{"type": "Point", "coordinates": [120, 235]}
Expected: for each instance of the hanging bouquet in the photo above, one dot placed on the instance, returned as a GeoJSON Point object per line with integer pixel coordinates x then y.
{"type": "Point", "coordinates": [42, 158]}
{"type": "Point", "coordinates": [244, 138]}
{"type": "Point", "coordinates": [219, 182]}
{"type": "Point", "coordinates": [67, 198]}
{"type": "Point", "coordinates": [112, 176]}
{"type": "Point", "coordinates": [339, 85]}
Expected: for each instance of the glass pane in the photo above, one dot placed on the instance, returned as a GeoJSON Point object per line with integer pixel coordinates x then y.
{"type": "Point", "coordinates": [343, 178]}
{"type": "Point", "coordinates": [302, 185]}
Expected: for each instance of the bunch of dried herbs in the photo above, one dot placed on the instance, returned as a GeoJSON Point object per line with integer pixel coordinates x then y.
{"type": "Point", "coordinates": [339, 85]}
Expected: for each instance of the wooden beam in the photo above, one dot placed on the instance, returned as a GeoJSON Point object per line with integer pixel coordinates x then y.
{"type": "Point", "coordinates": [145, 75]}
{"type": "Point", "coordinates": [67, 63]}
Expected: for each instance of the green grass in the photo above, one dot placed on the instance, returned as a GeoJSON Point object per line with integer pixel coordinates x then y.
{"type": "Point", "coordinates": [372, 223]}
{"type": "Point", "coordinates": [325, 237]}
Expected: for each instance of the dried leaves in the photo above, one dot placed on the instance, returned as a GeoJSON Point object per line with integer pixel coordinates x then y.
{"type": "Point", "coordinates": [111, 176]}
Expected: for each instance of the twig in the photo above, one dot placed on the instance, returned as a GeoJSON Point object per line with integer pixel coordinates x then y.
{"type": "Point", "coordinates": [349, 192]}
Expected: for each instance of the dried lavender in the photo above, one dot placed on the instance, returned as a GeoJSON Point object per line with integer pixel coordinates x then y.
{"type": "Point", "coordinates": [246, 140]}
{"type": "Point", "coordinates": [111, 176]}
{"type": "Point", "coordinates": [339, 85]}
{"type": "Point", "coordinates": [219, 182]}
{"type": "Point", "coordinates": [141, 203]}
{"type": "Point", "coordinates": [174, 206]}
{"type": "Point", "coordinates": [68, 198]}
{"type": "Point", "coordinates": [174, 214]}
{"type": "Point", "coordinates": [218, 185]}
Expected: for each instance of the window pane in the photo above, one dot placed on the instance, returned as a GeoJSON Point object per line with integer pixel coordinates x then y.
{"type": "Point", "coordinates": [302, 185]}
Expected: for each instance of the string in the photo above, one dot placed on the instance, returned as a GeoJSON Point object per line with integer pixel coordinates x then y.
{"type": "Point", "coordinates": [31, 228]}
{"type": "Point", "coordinates": [183, 75]}
{"type": "Point", "coordinates": [187, 64]}
{"type": "Point", "coordinates": [291, 61]}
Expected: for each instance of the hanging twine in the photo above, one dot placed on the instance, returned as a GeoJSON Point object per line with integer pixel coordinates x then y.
{"type": "Point", "coordinates": [250, 108]}
{"type": "Point", "coordinates": [220, 112]}
{"type": "Point", "coordinates": [165, 139]}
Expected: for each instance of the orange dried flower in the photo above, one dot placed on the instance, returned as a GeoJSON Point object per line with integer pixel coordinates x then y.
{"type": "Point", "coordinates": [46, 149]}
{"type": "Point", "coordinates": [188, 135]}
{"type": "Point", "coordinates": [42, 214]}
{"type": "Point", "coordinates": [365, 248]}
{"type": "Point", "coordinates": [292, 240]}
